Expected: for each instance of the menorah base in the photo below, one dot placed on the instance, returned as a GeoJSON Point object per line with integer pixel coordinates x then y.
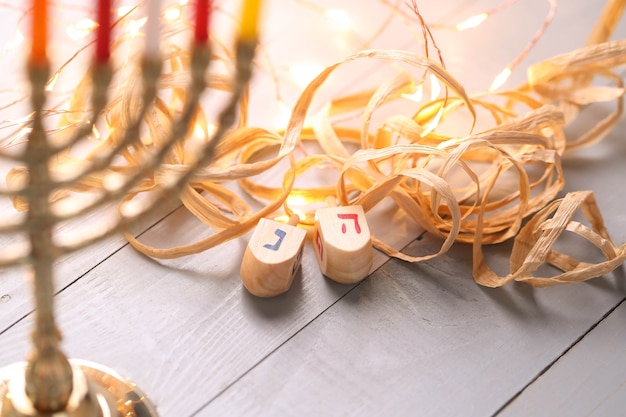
{"type": "Point", "coordinates": [98, 392]}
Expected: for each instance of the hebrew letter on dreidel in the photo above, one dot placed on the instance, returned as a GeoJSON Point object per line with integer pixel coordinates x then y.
{"type": "Point", "coordinates": [281, 235]}
{"type": "Point", "coordinates": [272, 257]}
{"type": "Point", "coordinates": [353, 217]}
{"type": "Point", "coordinates": [343, 243]}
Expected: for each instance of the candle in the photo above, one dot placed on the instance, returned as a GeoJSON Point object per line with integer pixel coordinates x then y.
{"type": "Point", "coordinates": [153, 28]}
{"type": "Point", "coordinates": [103, 39]}
{"type": "Point", "coordinates": [39, 31]}
{"type": "Point", "coordinates": [203, 10]}
{"type": "Point", "coordinates": [249, 20]}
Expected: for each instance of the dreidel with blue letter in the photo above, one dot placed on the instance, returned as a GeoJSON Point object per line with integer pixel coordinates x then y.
{"type": "Point", "coordinates": [272, 257]}
{"type": "Point", "coordinates": [343, 244]}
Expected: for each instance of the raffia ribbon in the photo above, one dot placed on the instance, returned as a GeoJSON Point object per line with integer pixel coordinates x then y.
{"type": "Point", "coordinates": [477, 188]}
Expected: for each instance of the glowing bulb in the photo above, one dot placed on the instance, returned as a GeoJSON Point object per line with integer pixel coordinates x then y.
{"type": "Point", "coordinates": [81, 29]}
{"type": "Point", "coordinates": [297, 201]}
{"type": "Point", "coordinates": [301, 214]}
{"type": "Point", "coordinates": [472, 22]}
{"type": "Point", "coordinates": [435, 87]}
{"type": "Point", "coordinates": [417, 95]}
{"type": "Point", "coordinates": [339, 16]}
{"type": "Point", "coordinates": [134, 26]}
{"type": "Point", "coordinates": [52, 82]}
{"type": "Point", "coordinates": [202, 131]}
{"type": "Point", "coordinates": [303, 73]}
{"type": "Point", "coordinates": [432, 125]}
{"type": "Point", "coordinates": [283, 116]}
{"type": "Point", "coordinates": [96, 133]}
{"type": "Point", "coordinates": [211, 128]}
{"type": "Point", "coordinates": [113, 181]}
{"type": "Point", "coordinates": [500, 79]}
{"type": "Point", "coordinates": [124, 10]}
{"type": "Point", "coordinates": [172, 13]}
{"type": "Point", "coordinates": [285, 218]}
{"type": "Point", "coordinates": [201, 134]}
{"type": "Point", "coordinates": [17, 41]}
{"type": "Point", "coordinates": [131, 208]}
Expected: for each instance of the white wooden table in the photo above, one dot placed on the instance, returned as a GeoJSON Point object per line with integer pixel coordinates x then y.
{"type": "Point", "coordinates": [412, 339]}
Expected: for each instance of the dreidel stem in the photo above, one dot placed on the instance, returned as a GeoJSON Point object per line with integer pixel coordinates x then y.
{"type": "Point", "coordinates": [331, 201]}
{"type": "Point", "coordinates": [293, 220]}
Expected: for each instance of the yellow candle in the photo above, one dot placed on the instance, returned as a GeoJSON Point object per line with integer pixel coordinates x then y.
{"type": "Point", "coordinates": [39, 31]}
{"type": "Point", "coordinates": [249, 20]}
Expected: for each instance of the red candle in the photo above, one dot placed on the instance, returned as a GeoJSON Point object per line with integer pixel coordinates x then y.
{"type": "Point", "coordinates": [39, 32]}
{"type": "Point", "coordinates": [203, 11]}
{"type": "Point", "coordinates": [103, 35]}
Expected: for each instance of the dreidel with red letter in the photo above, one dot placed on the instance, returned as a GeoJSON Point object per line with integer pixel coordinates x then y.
{"type": "Point", "coordinates": [272, 257]}
{"type": "Point", "coordinates": [343, 243]}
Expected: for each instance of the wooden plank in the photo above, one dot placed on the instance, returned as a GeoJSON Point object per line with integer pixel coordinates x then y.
{"type": "Point", "coordinates": [16, 296]}
{"type": "Point", "coordinates": [589, 380]}
{"type": "Point", "coordinates": [420, 339]}
{"type": "Point", "coordinates": [424, 339]}
{"type": "Point", "coordinates": [185, 329]}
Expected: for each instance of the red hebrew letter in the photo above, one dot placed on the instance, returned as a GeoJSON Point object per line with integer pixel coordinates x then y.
{"type": "Point", "coordinates": [354, 217]}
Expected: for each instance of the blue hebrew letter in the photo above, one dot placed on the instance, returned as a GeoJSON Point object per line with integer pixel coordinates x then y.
{"type": "Point", "coordinates": [281, 235]}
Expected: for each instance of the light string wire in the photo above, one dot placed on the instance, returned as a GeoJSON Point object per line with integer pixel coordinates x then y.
{"type": "Point", "coordinates": [408, 159]}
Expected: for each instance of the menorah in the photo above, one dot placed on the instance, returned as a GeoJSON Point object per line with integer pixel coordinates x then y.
{"type": "Point", "coordinates": [48, 383]}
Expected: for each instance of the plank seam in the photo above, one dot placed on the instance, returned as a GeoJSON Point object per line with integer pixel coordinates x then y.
{"type": "Point", "coordinates": [260, 361]}
{"type": "Point", "coordinates": [90, 269]}
{"type": "Point", "coordinates": [552, 363]}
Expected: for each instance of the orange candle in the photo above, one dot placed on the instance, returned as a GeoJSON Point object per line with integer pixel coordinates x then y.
{"type": "Point", "coordinates": [39, 31]}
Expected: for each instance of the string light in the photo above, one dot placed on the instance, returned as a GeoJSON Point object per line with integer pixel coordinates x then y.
{"type": "Point", "coordinates": [472, 22]}
{"type": "Point", "coordinates": [417, 95]}
{"type": "Point", "coordinates": [500, 79]}
{"type": "Point", "coordinates": [435, 87]}
{"type": "Point", "coordinates": [81, 29]}
{"type": "Point", "coordinates": [283, 116]}
{"type": "Point", "coordinates": [294, 203]}
{"type": "Point", "coordinates": [124, 10]}
{"type": "Point", "coordinates": [304, 73]}
{"type": "Point", "coordinates": [52, 82]}
{"type": "Point", "coordinates": [503, 76]}
{"type": "Point", "coordinates": [172, 13]}
{"type": "Point", "coordinates": [134, 26]}
{"type": "Point", "coordinates": [18, 40]}
{"type": "Point", "coordinates": [433, 124]}
{"type": "Point", "coordinates": [341, 17]}
{"type": "Point", "coordinates": [201, 131]}
{"type": "Point", "coordinates": [95, 133]}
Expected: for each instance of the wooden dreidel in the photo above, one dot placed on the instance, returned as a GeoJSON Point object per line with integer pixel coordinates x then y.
{"type": "Point", "coordinates": [272, 257]}
{"type": "Point", "coordinates": [343, 243]}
